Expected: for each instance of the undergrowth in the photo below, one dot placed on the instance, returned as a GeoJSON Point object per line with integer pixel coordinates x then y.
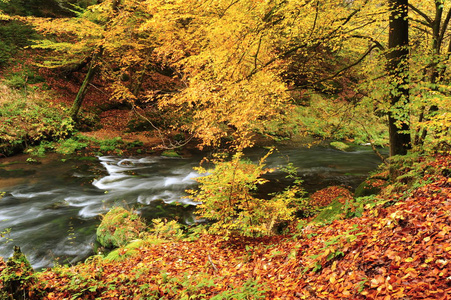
{"type": "Point", "coordinates": [26, 119]}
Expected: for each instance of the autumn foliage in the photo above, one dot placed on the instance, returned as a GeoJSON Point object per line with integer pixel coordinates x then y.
{"type": "Point", "coordinates": [227, 196]}
{"type": "Point", "coordinates": [325, 196]}
{"type": "Point", "coordinates": [398, 251]}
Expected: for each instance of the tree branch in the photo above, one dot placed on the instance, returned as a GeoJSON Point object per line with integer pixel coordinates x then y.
{"type": "Point", "coordinates": [344, 68]}
{"type": "Point", "coordinates": [421, 22]}
{"type": "Point", "coordinates": [425, 16]}
{"type": "Point", "coordinates": [371, 39]}
{"type": "Point", "coordinates": [445, 25]}
{"type": "Point", "coordinates": [315, 44]}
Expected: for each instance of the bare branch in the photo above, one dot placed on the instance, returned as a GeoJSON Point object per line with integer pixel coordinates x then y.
{"type": "Point", "coordinates": [371, 39]}
{"type": "Point", "coordinates": [445, 25]}
{"type": "Point", "coordinates": [425, 16]}
{"type": "Point", "coordinates": [344, 68]}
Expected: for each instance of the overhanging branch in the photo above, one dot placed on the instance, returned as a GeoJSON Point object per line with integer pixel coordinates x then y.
{"type": "Point", "coordinates": [419, 12]}
{"type": "Point", "coordinates": [343, 69]}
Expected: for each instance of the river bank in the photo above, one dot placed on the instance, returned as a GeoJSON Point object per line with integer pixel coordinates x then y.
{"type": "Point", "coordinates": [389, 251]}
{"type": "Point", "coordinates": [53, 206]}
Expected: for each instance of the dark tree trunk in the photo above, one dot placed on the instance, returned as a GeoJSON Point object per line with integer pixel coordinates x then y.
{"type": "Point", "coordinates": [398, 68]}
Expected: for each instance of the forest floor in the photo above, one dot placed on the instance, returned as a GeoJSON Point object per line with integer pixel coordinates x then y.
{"type": "Point", "coordinates": [113, 118]}
{"type": "Point", "coordinates": [398, 248]}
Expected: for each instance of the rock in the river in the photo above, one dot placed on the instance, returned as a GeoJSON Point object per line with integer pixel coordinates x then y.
{"type": "Point", "coordinates": [340, 146]}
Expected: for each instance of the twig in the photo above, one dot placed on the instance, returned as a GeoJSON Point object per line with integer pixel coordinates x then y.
{"type": "Point", "coordinates": [211, 262]}
{"type": "Point", "coordinates": [161, 135]}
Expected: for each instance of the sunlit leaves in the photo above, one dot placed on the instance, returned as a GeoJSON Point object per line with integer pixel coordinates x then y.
{"type": "Point", "coordinates": [226, 194]}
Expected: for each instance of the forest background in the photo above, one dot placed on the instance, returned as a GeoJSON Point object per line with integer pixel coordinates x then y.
{"type": "Point", "coordinates": [227, 75]}
{"type": "Point", "coordinates": [222, 72]}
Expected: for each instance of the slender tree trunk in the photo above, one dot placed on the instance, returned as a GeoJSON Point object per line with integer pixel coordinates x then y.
{"type": "Point", "coordinates": [398, 68]}
{"type": "Point", "coordinates": [91, 72]}
{"type": "Point", "coordinates": [76, 105]}
{"type": "Point", "coordinates": [436, 73]}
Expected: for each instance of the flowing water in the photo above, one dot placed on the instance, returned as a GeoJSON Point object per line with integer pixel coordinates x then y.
{"type": "Point", "coordinates": [53, 208]}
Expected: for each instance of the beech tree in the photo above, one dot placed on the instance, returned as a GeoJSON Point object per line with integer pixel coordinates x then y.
{"type": "Point", "coordinates": [431, 52]}
{"type": "Point", "coordinates": [398, 69]}
{"type": "Point", "coordinates": [241, 65]}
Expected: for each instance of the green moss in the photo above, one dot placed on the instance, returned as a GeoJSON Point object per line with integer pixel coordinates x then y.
{"type": "Point", "coordinates": [118, 227]}
{"type": "Point", "coordinates": [340, 146]}
{"type": "Point", "coordinates": [131, 249]}
{"type": "Point", "coordinates": [331, 212]}
{"type": "Point", "coordinates": [367, 188]}
{"type": "Point", "coordinates": [170, 153]}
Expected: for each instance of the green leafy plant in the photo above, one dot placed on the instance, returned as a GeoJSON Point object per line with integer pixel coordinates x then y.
{"type": "Point", "coordinates": [333, 249]}
{"type": "Point", "coordinates": [251, 289]}
{"type": "Point", "coordinates": [164, 229]}
{"type": "Point", "coordinates": [111, 145]}
{"type": "Point", "coordinates": [71, 145]}
{"type": "Point", "coordinates": [16, 276]}
{"type": "Point", "coordinates": [227, 196]}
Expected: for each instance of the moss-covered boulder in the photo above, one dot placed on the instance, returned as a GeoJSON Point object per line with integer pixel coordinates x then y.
{"type": "Point", "coordinates": [369, 187]}
{"type": "Point", "coordinates": [118, 227]}
{"type": "Point", "coordinates": [340, 146]}
{"type": "Point", "coordinates": [171, 153]}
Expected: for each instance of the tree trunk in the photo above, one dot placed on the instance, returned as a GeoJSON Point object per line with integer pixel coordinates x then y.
{"type": "Point", "coordinates": [398, 69]}
{"type": "Point", "coordinates": [84, 86]}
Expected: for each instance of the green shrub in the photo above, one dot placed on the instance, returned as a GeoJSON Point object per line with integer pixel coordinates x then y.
{"type": "Point", "coordinates": [16, 277]}
{"type": "Point", "coordinates": [16, 81]}
{"type": "Point", "coordinates": [28, 119]}
{"type": "Point", "coordinates": [111, 145]}
{"type": "Point", "coordinates": [6, 51]}
{"type": "Point", "coordinates": [227, 197]}
{"type": "Point", "coordinates": [19, 80]}
{"type": "Point", "coordinates": [71, 145]}
{"type": "Point", "coordinates": [13, 35]}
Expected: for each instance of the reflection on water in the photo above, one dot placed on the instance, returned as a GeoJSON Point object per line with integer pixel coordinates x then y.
{"type": "Point", "coordinates": [53, 208]}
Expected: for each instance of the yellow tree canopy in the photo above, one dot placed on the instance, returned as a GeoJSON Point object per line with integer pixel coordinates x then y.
{"type": "Point", "coordinates": [236, 59]}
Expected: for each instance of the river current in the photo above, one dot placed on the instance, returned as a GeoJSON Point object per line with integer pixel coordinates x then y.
{"type": "Point", "coordinates": [53, 208]}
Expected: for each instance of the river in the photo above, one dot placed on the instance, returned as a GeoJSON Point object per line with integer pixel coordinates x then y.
{"type": "Point", "coordinates": [54, 207]}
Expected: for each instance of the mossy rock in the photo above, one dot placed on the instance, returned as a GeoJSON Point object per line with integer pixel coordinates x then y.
{"type": "Point", "coordinates": [334, 211]}
{"type": "Point", "coordinates": [170, 153]}
{"type": "Point", "coordinates": [340, 146]}
{"type": "Point", "coordinates": [369, 187]}
{"type": "Point", "coordinates": [118, 227]}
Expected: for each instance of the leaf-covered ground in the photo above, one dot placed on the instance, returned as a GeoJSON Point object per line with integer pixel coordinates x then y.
{"type": "Point", "coordinates": [400, 250]}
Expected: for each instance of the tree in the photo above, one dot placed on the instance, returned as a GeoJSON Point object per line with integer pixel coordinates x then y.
{"type": "Point", "coordinates": [430, 21]}
{"type": "Point", "coordinates": [106, 38]}
{"type": "Point", "coordinates": [249, 56]}
{"type": "Point", "coordinates": [398, 70]}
